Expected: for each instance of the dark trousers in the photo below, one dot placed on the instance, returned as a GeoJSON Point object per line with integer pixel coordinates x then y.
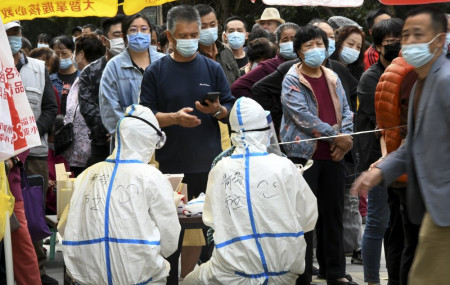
{"type": "Point", "coordinates": [400, 239]}
{"type": "Point", "coordinates": [196, 184]}
{"type": "Point", "coordinates": [327, 181]}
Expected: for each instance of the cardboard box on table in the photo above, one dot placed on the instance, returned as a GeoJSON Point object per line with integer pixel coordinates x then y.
{"type": "Point", "coordinates": [64, 188]}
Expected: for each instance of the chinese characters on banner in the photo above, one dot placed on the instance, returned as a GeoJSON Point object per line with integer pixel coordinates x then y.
{"type": "Point", "coordinates": [18, 130]}
{"type": "Point", "coordinates": [131, 7]}
{"type": "Point", "coordinates": [327, 3]}
{"type": "Point", "coordinates": [29, 9]}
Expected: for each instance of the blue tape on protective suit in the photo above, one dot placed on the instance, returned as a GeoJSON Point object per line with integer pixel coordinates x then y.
{"type": "Point", "coordinates": [261, 275]}
{"type": "Point", "coordinates": [238, 110]}
{"type": "Point", "coordinates": [263, 235]}
{"type": "Point", "coordinates": [250, 210]}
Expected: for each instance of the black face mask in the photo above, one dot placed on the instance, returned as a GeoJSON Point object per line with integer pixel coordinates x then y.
{"type": "Point", "coordinates": [391, 51]}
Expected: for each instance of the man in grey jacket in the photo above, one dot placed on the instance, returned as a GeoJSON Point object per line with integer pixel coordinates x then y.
{"type": "Point", "coordinates": [41, 97]}
{"type": "Point", "coordinates": [425, 154]}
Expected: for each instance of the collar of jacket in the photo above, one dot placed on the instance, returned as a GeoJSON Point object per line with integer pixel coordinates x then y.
{"type": "Point", "coordinates": [55, 78]}
{"type": "Point", "coordinates": [126, 58]}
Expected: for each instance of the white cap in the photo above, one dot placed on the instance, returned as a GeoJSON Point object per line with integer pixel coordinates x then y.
{"type": "Point", "coordinates": [12, 24]}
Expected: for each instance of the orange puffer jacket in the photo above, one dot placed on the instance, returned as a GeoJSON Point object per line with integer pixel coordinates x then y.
{"type": "Point", "coordinates": [388, 101]}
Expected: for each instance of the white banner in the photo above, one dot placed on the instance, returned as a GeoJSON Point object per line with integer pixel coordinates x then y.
{"type": "Point", "coordinates": [18, 130]}
{"type": "Point", "coordinates": [327, 3]}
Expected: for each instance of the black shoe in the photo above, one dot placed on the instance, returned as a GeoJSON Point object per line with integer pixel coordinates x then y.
{"type": "Point", "coordinates": [47, 280]}
{"type": "Point", "coordinates": [315, 271]}
{"type": "Point", "coordinates": [348, 276]}
{"type": "Point", "coordinates": [336, 282]}
{"type": "Point", "coordinates": [357, 257]}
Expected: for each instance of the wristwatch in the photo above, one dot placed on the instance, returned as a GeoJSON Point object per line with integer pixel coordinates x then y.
{"type": "Point", "coordinates": [216, 114]}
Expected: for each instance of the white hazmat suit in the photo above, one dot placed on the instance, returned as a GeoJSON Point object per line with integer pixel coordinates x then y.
{"type": "Point", "coordinates": [122, 218]}
{"type": "Point", "coordinates": [259, 206]}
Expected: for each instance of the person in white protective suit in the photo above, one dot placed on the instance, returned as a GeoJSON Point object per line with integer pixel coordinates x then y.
{"type": "Point", "coordinates": [122, 218]}
{"type": "Point", "coordinates": [259, 206]}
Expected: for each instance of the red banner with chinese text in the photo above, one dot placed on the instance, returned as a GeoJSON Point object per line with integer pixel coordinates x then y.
{"type": "Point", "coordinates": [18, 130]}
{"type": "Point", "coordinates": [29, 9]}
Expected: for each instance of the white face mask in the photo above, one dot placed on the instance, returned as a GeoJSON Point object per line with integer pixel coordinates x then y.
{"type": "Point", "coordinates": [116, 46]}
{"type": "Point", "coordinates": [74, 60]}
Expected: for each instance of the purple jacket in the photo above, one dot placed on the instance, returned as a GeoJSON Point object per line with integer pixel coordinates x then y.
{"type": "Point", "coordinates": [243, 86]}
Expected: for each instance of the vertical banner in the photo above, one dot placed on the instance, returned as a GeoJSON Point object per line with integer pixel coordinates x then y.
{"type": "Point", "coordinates": [326, 3]}
{"type": "Point", "coordinates": [11, 10]}
{"type": "Point", "coordinates": [131, 7]}
{"type": "Point", "coordinates": [18, 130]}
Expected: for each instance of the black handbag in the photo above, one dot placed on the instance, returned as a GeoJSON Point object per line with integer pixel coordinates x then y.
{"type": "Point", "coordinates": [64, 136]}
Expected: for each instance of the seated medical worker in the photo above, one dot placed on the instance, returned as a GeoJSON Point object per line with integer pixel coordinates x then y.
{"type": "Point", "coordinates": [122, 218]}
{"type": "Point", "coordinates": [259, 206]}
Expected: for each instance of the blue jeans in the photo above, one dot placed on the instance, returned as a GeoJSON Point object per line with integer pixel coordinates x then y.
{"type": "Point", "coordinates": [376, 224]}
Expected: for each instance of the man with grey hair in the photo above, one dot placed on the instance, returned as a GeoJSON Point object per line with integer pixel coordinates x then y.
{"type": "Point", "coordinates": [173, 88]}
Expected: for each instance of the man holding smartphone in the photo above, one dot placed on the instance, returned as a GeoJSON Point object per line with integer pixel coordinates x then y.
{"type": "Point", "coordinates": [173, 90]}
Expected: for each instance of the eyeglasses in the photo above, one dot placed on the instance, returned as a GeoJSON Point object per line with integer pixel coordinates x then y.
{"type": "Point", "coordinates": [134, 30]}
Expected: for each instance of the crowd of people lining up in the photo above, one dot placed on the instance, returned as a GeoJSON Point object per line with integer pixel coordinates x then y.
{"type": "Point", "coordinates": [133, 91]}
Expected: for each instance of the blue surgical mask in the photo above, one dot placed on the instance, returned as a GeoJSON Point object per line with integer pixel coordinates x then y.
{"type": "Point", "coordinates": [314, 57]}
{"type": "Point", "coordinates": [418, 54]}
{"type": "Point", "coordinates": [154, 48]}
{"type": "Point", "coordinates": [287, 50]}
{"type": "Point", "coordinates": [349, 55]}
{"type": "Point", "coordinates": [65, 63]}
{"type": "Point", "coordinates": [42, 45]}
{"type": "Point", "coordinates": [138, 42]}
{"type": "Point", "coordinates": [15, 43]}
{"type": "Point", "coordinates": [331, 47]}
{"type": "Point", "coordinates": [208, 36]}
{"type": "Point", "coordinates": [236, 40]}
{"type": "Point", "coordinates": [187, 48]}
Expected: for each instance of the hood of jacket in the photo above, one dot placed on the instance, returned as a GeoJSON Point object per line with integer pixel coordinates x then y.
{"type": "Point", "coordinates": [135, 139]}
{"type": "Point", "coordinates": [249, 126]}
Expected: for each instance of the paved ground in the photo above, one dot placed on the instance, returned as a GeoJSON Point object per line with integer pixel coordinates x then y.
{"type": "Point", "coordinates": [55, 269]}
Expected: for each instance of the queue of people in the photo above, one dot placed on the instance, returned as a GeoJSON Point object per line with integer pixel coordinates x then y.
{"type": "Point", "coordinates": [135, 92]}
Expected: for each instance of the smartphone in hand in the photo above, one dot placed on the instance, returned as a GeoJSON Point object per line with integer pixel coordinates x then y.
{"type": "Point", "coordinates": [211, 96]}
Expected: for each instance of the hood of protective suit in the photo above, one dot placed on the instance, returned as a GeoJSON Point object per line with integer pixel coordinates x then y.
{"type": "Point", "coordinates": [135, 139]}
{"type": "Point", "coordinates": [249, 126]}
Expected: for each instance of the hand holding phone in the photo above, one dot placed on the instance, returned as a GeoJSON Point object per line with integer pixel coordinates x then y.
{"type": "Point", "coordinates": [211, 97]}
